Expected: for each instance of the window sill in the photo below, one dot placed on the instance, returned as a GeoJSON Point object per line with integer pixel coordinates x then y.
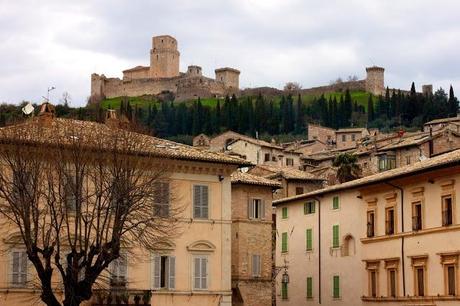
{"type": "Point", "coordinates": [411, 298]}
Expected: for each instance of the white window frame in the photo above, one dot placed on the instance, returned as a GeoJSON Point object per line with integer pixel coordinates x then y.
{"type": "Point", "coordinates": [19, 284]}
{"type": "Point", "coordinates": [256, 205]}
{"type": "Point", "coordinates": [112, 268]}
{"type": "Point", "coordinates": [201, 287]}
{"type": "Point", "coordinates": [170, 274]}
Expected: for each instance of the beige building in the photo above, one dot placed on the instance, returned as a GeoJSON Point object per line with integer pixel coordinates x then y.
{"type": "Point", "coordinates": [251, 239]}
{"type": "Point", "coordinates": [193, 270]}
{"type": "Point", "coordinates": [438, 124]}
{"type": "Point", "coordinates": [386, 239]}
{"type": "Point", "coordinates": [321, 133]}
{"type": "Point", "coordinates": [348, 138]}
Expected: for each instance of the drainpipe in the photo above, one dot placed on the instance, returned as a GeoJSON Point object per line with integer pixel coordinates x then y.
{"type": "Point", "coordinates": [402, 238]}
{"type": "Point", "coordinates": [430, 143]}
{"type": "Point", "coordinates": [319, 248]}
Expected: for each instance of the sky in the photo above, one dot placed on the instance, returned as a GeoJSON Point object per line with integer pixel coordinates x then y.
{"type": "Point", "coordinates": [60, 43]}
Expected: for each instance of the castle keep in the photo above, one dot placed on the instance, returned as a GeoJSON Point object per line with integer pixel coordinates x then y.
{"type": "Point", "coordinates": [163, 76]}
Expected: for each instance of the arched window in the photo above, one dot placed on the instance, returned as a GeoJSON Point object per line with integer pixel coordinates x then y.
{"type": "Point", "coordinates": [348, 246]}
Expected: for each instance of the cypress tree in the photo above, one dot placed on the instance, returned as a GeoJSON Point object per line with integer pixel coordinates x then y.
{"type": "Point", "coordinates": [452, 102]}
{"type": "Point", "coordinates": [370, 109]}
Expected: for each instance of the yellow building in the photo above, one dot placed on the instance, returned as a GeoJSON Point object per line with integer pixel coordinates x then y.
{"type": "Point", "coordinates": [194, 270]}
{"type": "Point", "coordinates": [386, 239]}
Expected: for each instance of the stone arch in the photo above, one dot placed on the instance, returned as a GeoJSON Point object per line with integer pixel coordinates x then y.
{"type": "Point", "coordinates": [348, 245]}
{"type": "Point", "coordinates": [164, 246]}
{"type": "Point", "coordinates": [201, 246]}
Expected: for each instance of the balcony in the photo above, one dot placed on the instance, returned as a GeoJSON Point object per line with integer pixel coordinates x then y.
{"type": "Point", "coordinates": [127, 297]}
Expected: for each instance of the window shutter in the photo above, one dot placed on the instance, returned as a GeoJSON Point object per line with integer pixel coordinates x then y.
{"type": "Point", "coordinates": [23, 275]}
{"type": "Point", "coordinates": [305, 211]}
{"type": "Point", "coordinates": [172, 272]}
{"type": "Point", "coordinates": [284, 242]}
{"type": "Point", "coordinates": [197, 271]}
{"type": "Point", "coordinates": [313, 204]}
{"type": "Point", "coordinates": [335, 236]}
{"type": "Point", "coordinates": [336, 286]}
{"type": "Point", "coordinates": [15, 259]}
{"type": "Point", "coordinates": [309, 287]}
{"type": "Point", "coordinates": [156, 272]}
{"type": "Point", "coordinates": [250, 209]}
{"type": "Point", "coordinates": [204, 201]}
{"type": "Point", "coordinates": [261, 209]}
{"type": "Point", "coordinates": [335, 202]}
{"type": "Point", "coordinates": [204, 273]}
{"type": "Point", "coordinates": [309, 239]}
{"type": "Point", "coordinates": [196, 201]}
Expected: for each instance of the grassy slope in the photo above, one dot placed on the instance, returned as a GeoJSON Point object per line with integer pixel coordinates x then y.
{"type": "Point", "coordinates": [143, 101]}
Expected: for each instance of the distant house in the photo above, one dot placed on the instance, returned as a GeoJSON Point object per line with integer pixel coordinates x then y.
{"type": "Point", "coordinates": [438, 124]}
{"type": "Point", "coordinates": [348, 138]}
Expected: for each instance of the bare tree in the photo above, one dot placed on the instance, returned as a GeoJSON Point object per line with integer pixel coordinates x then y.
{"type": "Point", "coordinates": [292, 86]}
{"type": "Point", "coordinates": [66, 99]}
{"type": "Point", "coordinates": [79, 195]}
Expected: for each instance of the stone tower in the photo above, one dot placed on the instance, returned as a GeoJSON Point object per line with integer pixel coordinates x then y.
{"type": "Point", "coordinates": [427, 89]}
{"type": "Point", "coordinates": [229, 76]}
{"type": "Point", "coordinates": [375, 82]}
{"type": "Point", "coordinates": [164, 57]}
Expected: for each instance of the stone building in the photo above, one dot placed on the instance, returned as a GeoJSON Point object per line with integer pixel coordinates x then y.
{"type": "Point", "coordinates": [251, 239]}
{"type": "Point", "coordinates": [348, 138]}
{"type": "Point", "coordinates": [163, 75]}
{"type": "Point", "coordinates": [375, 80]}
{"type": "Point", "coordinates": [321, 133]}
{"type": "Point", "coordinates": [438, 124]}
{"type": "Point", "coordinates": [387, 239]}
{"type": "Point", "coordinates": [194, 269]}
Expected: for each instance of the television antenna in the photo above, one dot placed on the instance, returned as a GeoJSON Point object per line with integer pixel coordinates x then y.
{"type": "Point", "coordinates": [47, 98]}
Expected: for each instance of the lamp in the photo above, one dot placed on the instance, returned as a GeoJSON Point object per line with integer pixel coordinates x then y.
{"type": "Point", "coordinates": [285, 277]}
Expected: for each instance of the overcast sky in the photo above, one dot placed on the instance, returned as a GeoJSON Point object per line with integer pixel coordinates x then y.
{"type": "Point", "coordinates": [62, 42]}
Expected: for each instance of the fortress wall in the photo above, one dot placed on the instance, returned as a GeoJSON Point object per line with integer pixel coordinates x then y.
{"type": "Point", "coordinates": [339, 87]}
{"type": "Point", "coordinates": [138, 87]}
{"type": "Point", "coordinates": [137, 74]}
{"type": "Point", "coordinates": [194, 87]}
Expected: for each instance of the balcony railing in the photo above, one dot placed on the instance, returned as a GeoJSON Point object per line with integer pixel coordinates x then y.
{"type": "Point", "coordinates": [125, 297]}
{"type": "Point", "coordinates": [416, 223]}
{"type": "Point", "coordinates": [446, 217]}
{"type": "Point", "coordinates": [389, 227]}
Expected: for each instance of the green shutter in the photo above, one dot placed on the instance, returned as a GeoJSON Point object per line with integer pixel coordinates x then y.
{"type": "Point", "coordinates": [309, 235]}
{"type": "Point", "coordinates": [284, 291]}
{"type": "Point", "coordinates": [309, 287]}
{"type": "Point", "coordinates": [305, 208]}
{"type": "Point", "coordinates": [284, 242]}
{"type": "Point", "coordinates": [313, 204]}
{"type": "Point", "coordinates": [336, 287]}
{"type": "Point", "coordinates": [284, 212]}
{"type": "Point", "coordinates": [335, 236]}
{"type": "Point", "coordinates": [335, 202]}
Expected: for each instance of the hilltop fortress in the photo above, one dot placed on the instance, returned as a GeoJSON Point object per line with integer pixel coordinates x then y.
{"type": "Point", "coordinates": [163, 76]}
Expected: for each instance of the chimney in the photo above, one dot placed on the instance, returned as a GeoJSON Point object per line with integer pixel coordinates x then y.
{"type": "Point", "coordinates": [47, 113]}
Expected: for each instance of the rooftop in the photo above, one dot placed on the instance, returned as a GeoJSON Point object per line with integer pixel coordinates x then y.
{"type": "Point", "coordinates": [289, 173]}
{"type": "Point", "coordinates": [443, 120]}
{"type": "Point", "coordinates": [239, 177]}
{"type": "Point", "coordinates": [351, 130]}
{"type": "Point", "coordinates": [91, 134]}
{"type": "Point", "coordinates": [441, 161]}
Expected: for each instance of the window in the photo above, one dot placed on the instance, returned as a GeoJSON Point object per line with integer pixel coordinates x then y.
{"type": "Point", "coordinates": [284, 242]}
{"type": "Point", "coordinates": [298, 190]}
{"type": "Point", "coordinates": [309, 239]}
{"type": "Point", "coordinates": [164, 272]}
{"type": "Point", "coordinates": [390, 221]}
{"type": "Point", "coordinates": [200, 201]}
{"type": "Point", "coordinates": [284, 212]}
{"type": "Point", "coordinates": [309, 208]}
{"type": "Point", "coordinates": [373, 283]}
{"type": "Point", "coordinates": [348, 247]}
{"type": "Point", "coordinates": [387, 162]}
{"type": "Point", "coordinates": [451, 280]}
{"type": "Point", "coordinates": [70, 189]}
{"type": "Point", "coordinates": [344, 137]}
{"type": "Point", "coordinates": [267, 157]}
{"type": "Point", "coordinates": [370, 223]}
{"type": "Point", "coordinates": [391, 274]}
{"type": "Point", "coordinates": [309, 287]}
{"type": "Point", "coordinates": [119, 271]}
{"type": "Point", "coordinates": [161, 199]}
{"type": "Point", "coordinates": [200, 272]}
{"type": "Point", "coordinates": [447, 211]}
{"type": "Point", "coordinates": [419, 281]}
{"type": "Point", "coordinates": [289, 162]}
{"type": "Point", "coordinates": [417, 216]}
{"type": "Point", "coordinates": [353, 137]}
{"type": "Point", "coordinates": [284, 291]}
{"type": "Point", "coordinates": [335, 236]}
{"type": "Point", "coordinates": [256, 209]}
{"type": "Point", "coordinates": [18, 268]}
{"type": "Point", "coordinates": [336, 287]}
{"type": "Point", "coordinates": [335, 202]}
{"type": "Point", "coordinates": [256, 266]}
{"type": "Point", "coordinates": [408, 161]}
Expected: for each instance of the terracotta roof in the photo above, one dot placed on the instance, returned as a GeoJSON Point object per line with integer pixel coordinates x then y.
{"type": "Point", "coordinates": [441, 161]}
{"type": "Point", "coordinates": [245, 178]}
{"type": "Point", "coordinates": [289, 173]}
{"type": "Point", "coordinates": [91, 134]}
{"type": "Point", "coordinates": [443, 120]}
{"type": "Point", "coordinates": [238, 136]}
{"type": "Point", "coordinates": [136, 68]}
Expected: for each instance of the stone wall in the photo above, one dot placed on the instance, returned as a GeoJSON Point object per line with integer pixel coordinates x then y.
{"type": "Point", "coordinates": [338, 87]}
